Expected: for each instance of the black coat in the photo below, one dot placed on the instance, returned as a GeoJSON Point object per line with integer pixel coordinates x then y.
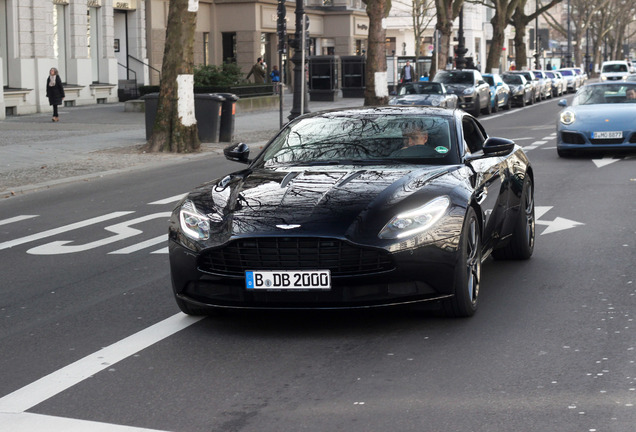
{"type": "Point", "coordinates": [55, 93]}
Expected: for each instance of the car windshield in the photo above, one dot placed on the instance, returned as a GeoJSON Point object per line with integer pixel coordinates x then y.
{"type": "Point", "coordinates": [490, 80]}
{"type": "Point", "coordinates": [550, 74]}
{"type": "Point", "coordinates": [454, 77]}
{"type": "Point", "coordinates": [421, 88]}
{"type": "Point", "coordinates": [512, 79]}
{"type": "Point", "coordinates": [566, 72]}
{"type": "Point", "coordinates": [337, 138]}
{"type": "Point", "coordinates": [606, 93]}
{"type": "Point", "coordinates": [611, 68]}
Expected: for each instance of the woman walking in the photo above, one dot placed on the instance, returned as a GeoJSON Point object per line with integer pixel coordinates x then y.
{"type": "Point", "coordinates": [55, 92]}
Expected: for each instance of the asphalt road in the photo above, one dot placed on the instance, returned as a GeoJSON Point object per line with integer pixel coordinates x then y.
{"type": "Point", "coordinates": [91, 338]}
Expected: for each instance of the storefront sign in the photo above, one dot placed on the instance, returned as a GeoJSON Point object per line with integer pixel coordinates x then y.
{"type": "Point", "coordinates": [125, 5]}
{"type": "Point", "coordinates": [94, 3]}
{"type": "Point", "coordinates": [60, 2]}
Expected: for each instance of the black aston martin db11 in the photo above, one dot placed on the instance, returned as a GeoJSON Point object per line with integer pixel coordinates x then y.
{"type": "Point", "coordinates": [355, 208]}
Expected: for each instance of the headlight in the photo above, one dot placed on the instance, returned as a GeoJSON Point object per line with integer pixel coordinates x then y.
{"type": "Point", "coordinates": [567, 117]}
{"type": "Point", "coordinates": [415, 221]}
{"type": "Point", "coordinates": [603, 78]}
{"type": "Point", "coordinates": [435, 102]}
{"type": "Point", "coordinates": [469, 90]}
{"type": "Point", "coordinates": [194, 224]}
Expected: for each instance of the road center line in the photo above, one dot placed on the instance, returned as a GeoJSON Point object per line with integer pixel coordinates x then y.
{"type": "Point", "coordinates": [17, 219]}
{"type": "Point", "coordinates": [62, 379]}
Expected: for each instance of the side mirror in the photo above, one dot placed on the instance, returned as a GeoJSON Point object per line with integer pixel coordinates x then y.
{"type": "Point", "coordinates": [563, 103]}
{"type": "Point", "coordinates": [239, 152]}
{"type": "Point", "coordinates": [498, 146]}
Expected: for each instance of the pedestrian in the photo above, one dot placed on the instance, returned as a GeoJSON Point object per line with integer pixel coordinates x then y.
{"type": "Point", "coordinates": [549, 66]}
{"type": "Point", "coordinates": [408, 73]}
{"type": "Point", "coordinates": [258, 70]}
{"type": "Point", "coordinates": [275, 76]}
{"type": "Point", "coordinates": [55, 92]}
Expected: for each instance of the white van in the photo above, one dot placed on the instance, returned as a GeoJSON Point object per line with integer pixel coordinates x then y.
{"type": "Point", "coordinates": [615, 70]}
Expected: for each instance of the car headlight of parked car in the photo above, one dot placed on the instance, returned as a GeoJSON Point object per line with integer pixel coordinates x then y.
{"type": "Point", "coordinates": [567, 117]}
{"type": "Point", "coordinates": [468, 91]}
{"type": "Point", "coordinates": [415, 221]}
{"type": "Point", "coordinates": [194, 224]}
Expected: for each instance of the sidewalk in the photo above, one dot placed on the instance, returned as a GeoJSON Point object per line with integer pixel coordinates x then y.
{"type": "Point", "coordinates": [96, 140]}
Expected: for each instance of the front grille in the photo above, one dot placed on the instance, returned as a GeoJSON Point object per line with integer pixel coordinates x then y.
{"type": "Point", "coordinates": [607, 141]}
{"type": "Point", "coordinates": [632, 139]}
{"type": "Point", "coordinates": [572, 138]}
{"type": "Point", "coordinates": [291, 253]}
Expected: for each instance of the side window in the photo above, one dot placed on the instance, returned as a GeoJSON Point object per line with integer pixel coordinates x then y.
{"type": "Point", "coordinates": [474, 134]}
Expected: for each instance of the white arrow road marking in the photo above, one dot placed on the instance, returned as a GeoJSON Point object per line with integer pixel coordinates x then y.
{"type": "Point", "coordinates": [168, 200]}
{"type": "Point", "coordinates": [17, 219]}
{"type": "Point", "coordinates": [66, 228]}
{"type": "Point", "coordinates": [28, 422]}
{"type": "Point", "coordinates": [557, 224]}
{"type": "Point", "coordinates": [121, 230]}
{"type": "Point", "coordinates": [46, 387]}
{"type": "Point", "coordinates": [600, 163]}
{"type": "Point", "coordinates": [142, 245]}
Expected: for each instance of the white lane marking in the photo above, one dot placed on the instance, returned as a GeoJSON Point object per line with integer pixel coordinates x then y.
{"type": "Point", "coordinates": [28, 422]}
{"type": "Point", "coordinates": [46, 387]}
{"type": "Point", "coordinates": [600, 163]}
{"type": "Point", "coordinates": [17, 219]}
{"type": "Point", "coordinates": [60, 230]}
{"type": "Point", "coordinates": [168, 200]}
{"type": "Point", "coordinates": [557, 224]}
{"type": "Point", "coordinates": [142, 245]}
{"type": "Point", "coordinates": [122, 231]}
{"type": "Point", "coordinates": [161, 251]}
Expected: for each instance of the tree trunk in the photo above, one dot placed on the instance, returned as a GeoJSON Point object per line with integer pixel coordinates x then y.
{"type": "Point", "coordinates": [494, 54]}
{"type": "Point", "coordinates": [175, 129]}
{"type": "Point", "coordinates": [521, 53]}
{"type": "Point", "coordinates": [377, 87]}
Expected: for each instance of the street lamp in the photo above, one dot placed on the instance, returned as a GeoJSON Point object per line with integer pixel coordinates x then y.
{"type": "Point", "coordinates": [536, 37]}
{"type": "Point", "coordinates": [461, 49]}
{"type": "Point", "coordinates": [568, 59]}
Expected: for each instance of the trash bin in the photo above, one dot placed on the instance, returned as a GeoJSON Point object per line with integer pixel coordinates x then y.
{"type": "Point", "coordinates": [228, 113]}
{"type": "Point", "coordinates": [152, 101]}
{"type": "Point", "coordinates": [207, 111]}
{"type": "Point", "coordinates": [323, 77]}
{"type": "Point", "coordinates": [353, 80]}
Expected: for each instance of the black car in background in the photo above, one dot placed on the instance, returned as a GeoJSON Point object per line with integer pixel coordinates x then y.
{"type": "Point", "coordinates": [470, 87]}
{"type": "Point", "coordinates": [520, 88]}
{"type": "Point", "coordinates": [355, 208]}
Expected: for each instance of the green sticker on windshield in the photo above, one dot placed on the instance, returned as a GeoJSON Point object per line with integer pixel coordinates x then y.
{"type": "Point", "coordinates": [441, 149]}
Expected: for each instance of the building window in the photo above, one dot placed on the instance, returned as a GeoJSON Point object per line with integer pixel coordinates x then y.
{"type": "Point", "coordinates": [390, 46]}
{"type": "Point", "coordinates": [206, 47]}
{"type": "Point", "coordinates": [229, 47]}
{"type": "Point", "coordinates": [92, 36]}
{"type": "Point", "coordinates": [59, 38]}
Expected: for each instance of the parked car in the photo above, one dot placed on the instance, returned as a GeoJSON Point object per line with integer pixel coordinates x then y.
{"type": "Point", "coordinates": [500, 96]}
{"type": "Point", "coordinates": [615, 70]}
{"type": "Point", "coordinates": [631, 77]}
{"type": "Point", "coordinates": [582, 75]}
{"type": "Point", "coordinates": [572, 82]}
{"type": "Point", "coordinates": [469, 86]}
{"type": "Point", "coordinates": [424, 93]}
{"type": "Point", "coordinates": [601, 117]}
{"type": "Point", "coordinates": [341, 210]}
{"type": "Point", "coordinates": [544, 84]}
{"type": "Point", "coordinates": [534, 83]}
{"type": "Point", "coordinates": [557, 83]}
{"type": "Point", "coordinates": [520, 88]}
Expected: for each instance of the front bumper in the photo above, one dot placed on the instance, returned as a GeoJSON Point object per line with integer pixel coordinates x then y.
{"type": "Point", "coordinates": [421, 274]}
{"type": "Point", "coordinates": [571, 139]}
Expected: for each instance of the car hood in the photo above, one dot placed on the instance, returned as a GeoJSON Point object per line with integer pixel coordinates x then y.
{"type": "Point", "coordinates": [421, 99]}
{"type": "Point", "coordinates": [353, 202]}
{"type": "Point", "coordinates": [457, 88]}
{"type": "Point", "coordinates": [603, 116]}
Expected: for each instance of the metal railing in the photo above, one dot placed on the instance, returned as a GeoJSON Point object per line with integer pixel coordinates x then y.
{"type": "Point", "coordinates": [146, 64]}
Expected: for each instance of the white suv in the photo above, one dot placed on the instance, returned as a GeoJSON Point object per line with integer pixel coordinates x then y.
{"type": "Point", "coordinates": [615, 70]}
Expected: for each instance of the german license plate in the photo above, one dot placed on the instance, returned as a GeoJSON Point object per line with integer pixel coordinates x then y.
{"type": "Point", "coordinates": [607, 135]}
{"type": "Point", "coordinates": [288, 280]}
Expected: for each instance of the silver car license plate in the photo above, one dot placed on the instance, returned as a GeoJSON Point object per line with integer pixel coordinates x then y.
{"type": "Point", "coordinates": [607, 135]}
{"type": "Point", "coordinates": [288, 280]}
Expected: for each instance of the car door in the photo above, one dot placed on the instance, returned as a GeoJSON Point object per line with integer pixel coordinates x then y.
{"type": "Point", "coordinates": [488, 181]}
{"type": "Point", "coordinates": [483, 90]}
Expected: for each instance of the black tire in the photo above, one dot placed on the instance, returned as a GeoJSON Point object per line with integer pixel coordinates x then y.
{"type": "Point", "coordinates": [488, 108]}
{"type": "Point", "coordinates": [521, 244]}
{"type": "Point", "coordinates": [467, 270]}
{"type": "Point", "coordinates": [508, 104]}
{"type": "Point", "coordinates": [495, 107]}
{"type": "Point", "coordinates": [477, 109]}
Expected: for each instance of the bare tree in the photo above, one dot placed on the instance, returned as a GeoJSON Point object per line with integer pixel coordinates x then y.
{"type": "Point", "coordinates": [175, 129]}
{"type": "Point", "coordinates": [377, 88]}
{"type": "Point", "coordinates": [520, 21]}
{"type": "Point", "coordinates": [447, 12]}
